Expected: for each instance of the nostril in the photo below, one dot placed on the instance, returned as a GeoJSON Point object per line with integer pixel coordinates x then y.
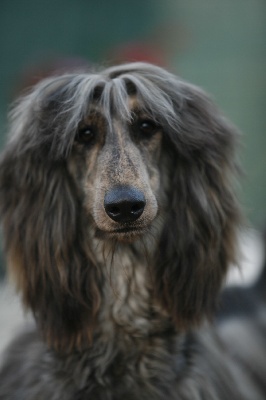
{"type": "Point", "coordinates": [138, 207]}
{"type": "Point", "coordinates": [113, 210]}
{"type": "Point", "coordinates": [124, 204]}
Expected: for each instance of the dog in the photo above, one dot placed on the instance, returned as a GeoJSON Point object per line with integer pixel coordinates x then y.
{"type": "Point", "coordinates": [120, 221]}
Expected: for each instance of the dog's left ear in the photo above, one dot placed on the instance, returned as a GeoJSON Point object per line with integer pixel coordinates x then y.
{"type": "Point", "coordinates": [199, 238]}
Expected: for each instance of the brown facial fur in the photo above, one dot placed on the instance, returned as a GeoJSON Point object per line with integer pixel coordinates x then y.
{"type": "Point", "coordinates": [120, 155]}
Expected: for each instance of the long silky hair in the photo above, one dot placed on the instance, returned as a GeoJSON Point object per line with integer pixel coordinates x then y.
{"type": "Point", "coordinates": [45, 228]}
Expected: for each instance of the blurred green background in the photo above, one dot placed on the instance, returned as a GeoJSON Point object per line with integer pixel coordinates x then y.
{"type": "Point", "coordinates": [219, 45]}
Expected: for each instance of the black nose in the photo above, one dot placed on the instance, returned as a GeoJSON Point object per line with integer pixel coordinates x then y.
{"type": "Point", "coordinates": [124, 204]}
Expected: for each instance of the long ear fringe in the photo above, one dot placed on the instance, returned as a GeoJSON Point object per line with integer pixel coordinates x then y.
{"type": "Point", "coordinates": [199, 241]}
{"type": "Point", "coordinates": [46, 253]}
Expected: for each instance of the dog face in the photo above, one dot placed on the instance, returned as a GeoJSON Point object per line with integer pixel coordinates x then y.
{"type": "Point", "coordinates": [118, 156]}
{"type": "Point", "coordinates": [119, 175]}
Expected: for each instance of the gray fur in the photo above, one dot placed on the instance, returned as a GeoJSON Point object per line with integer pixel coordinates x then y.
{"type": "Point", "coordinates": [121, 308]}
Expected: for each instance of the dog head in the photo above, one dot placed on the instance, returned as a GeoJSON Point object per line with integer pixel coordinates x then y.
{"type": "Point", "coordinates": [117, 156]}
{"type": "Point", "coordinates": [121, 178]}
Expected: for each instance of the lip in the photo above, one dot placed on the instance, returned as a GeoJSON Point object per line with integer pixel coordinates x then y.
{"type": "Point", "coordinates": [127, 235]}
{"type": "Point", "coordinates": [127, 230]}
{"type": "Point", "coordinates": [124, 234]}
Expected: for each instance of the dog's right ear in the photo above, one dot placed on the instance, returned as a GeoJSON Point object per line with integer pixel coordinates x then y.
{"type": "Point", "coordinates": [46, 247]}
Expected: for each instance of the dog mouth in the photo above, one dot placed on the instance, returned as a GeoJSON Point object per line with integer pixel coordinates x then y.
{"type": "Point", "coordinates": [128, 230]}
{"type": "Point", "coordinates": [123, 234]}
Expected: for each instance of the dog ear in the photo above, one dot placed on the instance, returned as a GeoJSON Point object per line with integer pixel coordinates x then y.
{"type": "Point", "coordinates": [44, 237]}
{"type": "Point", "coordinates": [198, 241]}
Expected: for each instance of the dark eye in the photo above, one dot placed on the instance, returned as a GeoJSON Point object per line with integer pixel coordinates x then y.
{"type": "Point", "coordinates": [147, 128]}
{"type": "Point", "coordinates": [86, 135]}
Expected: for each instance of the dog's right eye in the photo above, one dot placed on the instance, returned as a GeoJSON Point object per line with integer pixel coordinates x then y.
{"type": "Point", "coordinates": [86, 135]}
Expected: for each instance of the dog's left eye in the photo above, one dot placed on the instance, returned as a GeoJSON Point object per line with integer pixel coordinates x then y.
{"type": "Point", "coordinates": [148, 128]}
{"type": "Point", "coordinates": [86, 135]}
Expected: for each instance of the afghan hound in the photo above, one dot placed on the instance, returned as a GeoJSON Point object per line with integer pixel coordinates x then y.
{"type": "Point", "coordinates": [119, 222]}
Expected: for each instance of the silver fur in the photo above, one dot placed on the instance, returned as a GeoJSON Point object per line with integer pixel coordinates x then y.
{"type": "Point", "coordinates": [123, 309]}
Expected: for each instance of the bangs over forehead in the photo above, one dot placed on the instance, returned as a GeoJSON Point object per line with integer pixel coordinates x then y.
{"type": "Point", "coordinates": [150, 85]}
{"type": "Point", "coordinates": [61, 103]}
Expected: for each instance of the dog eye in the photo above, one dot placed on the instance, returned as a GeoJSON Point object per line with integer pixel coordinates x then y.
{"type": "Point", "coordinates": [148, 128]}
{"type": "Point", "coordinates": [86, 135]}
